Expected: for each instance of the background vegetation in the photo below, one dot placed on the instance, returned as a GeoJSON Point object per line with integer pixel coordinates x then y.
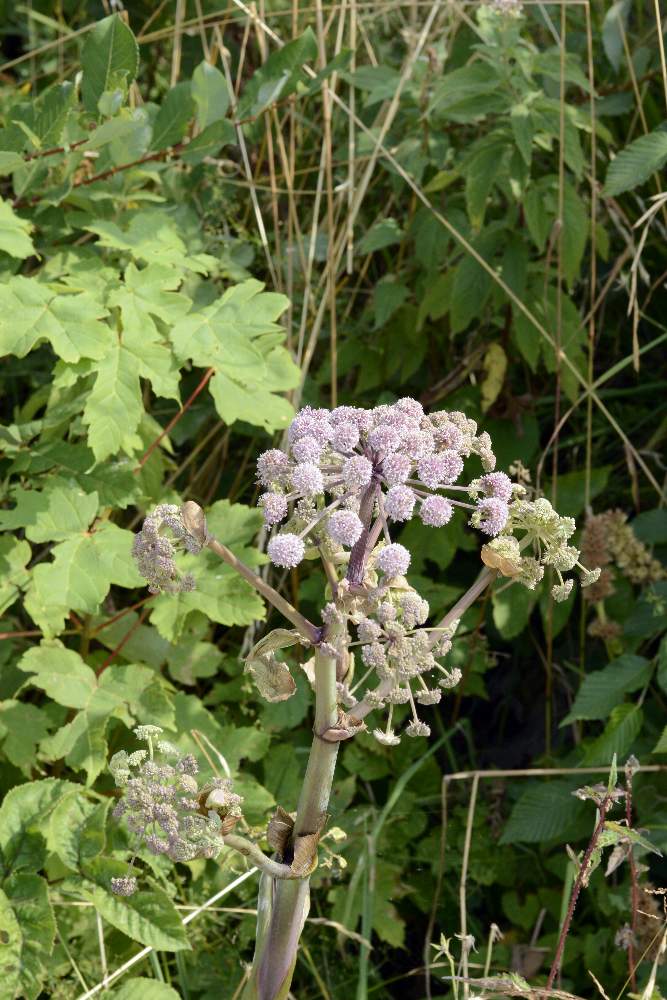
{"type": "Point", "coordinates": [259, 207]}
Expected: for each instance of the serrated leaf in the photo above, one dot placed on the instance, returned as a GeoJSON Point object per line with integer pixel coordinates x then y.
{"type": "Point", "coordinates": [150, 235]}
{"type": "Point", "coordinates": [602, 690]}
{"type": "Point", "coordinates": [625, 723]}
{"type": "Point", "coordinates": [481, 169]}
{"type": "Point", "coordinates": [31, 311]}
{"type": "Point", "coordinates": [110, 54]}
{"type": "Point", "coordinates": [230, 336]}
{"type": "Point", "coordinates": [149, 916]}
{"type": "Point", "coordinates": [14, 232]}
{"type": "Point", "coordinates": [23, 815]}
{"type": "Point", "coordinates": [544, 812]}
{"type": "Point", "coordinates": [79, 577]}
{"type": "Point", "coordinates": [77, 829]}
{"type": "Point", "coordinates": [14, 556]}
{"type": "Point", "coordinates": [661, 745]}
{"type": "Point", "coordinates": [174, 116]}
{"type": "Point", "coordinates": [634, 165]}
{"type": "Point", "coordinates": [147, 989]}
{"type": "Point", "coordinates": [12, 946]}
{"type": "Point", "coordinates": [114, 406]}
{"type": "Point", "coordinates": [632, 836]}
{"type": "Point", "coordinates": [210, 94]}
{"type": "Point", "coordinates": [22, 726]}
{"type": "Point", "coordinates": [28, 896]}
{"type": "Point", "coordinates": [69, 510]}
{"type": "Point", "coordinates": [60, 673]}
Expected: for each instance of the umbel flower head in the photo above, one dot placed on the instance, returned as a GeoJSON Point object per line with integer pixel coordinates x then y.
{"type": "Point", "coordinates": [162, 536]}
{"type": "Point", "coordinates": [164, 806]}
{"type": "Point", "coordinates": [348, 474]}
{"type": "Point", "coordinates": [533, 526]}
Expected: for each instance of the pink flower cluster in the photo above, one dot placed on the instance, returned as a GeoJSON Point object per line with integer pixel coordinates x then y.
{"type": "Point", "coordinates": [347, 474]}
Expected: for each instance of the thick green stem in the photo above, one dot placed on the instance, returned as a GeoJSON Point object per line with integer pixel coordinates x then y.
{"type": "Point", "coordinates": [275, 953]}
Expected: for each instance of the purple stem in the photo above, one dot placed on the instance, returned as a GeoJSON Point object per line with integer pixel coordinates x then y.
{"type": "Point", "coordinates": [355, 569]}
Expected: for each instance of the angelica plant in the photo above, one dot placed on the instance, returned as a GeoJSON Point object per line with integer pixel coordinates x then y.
{"type": "Point", "coordinates": [344, 482]}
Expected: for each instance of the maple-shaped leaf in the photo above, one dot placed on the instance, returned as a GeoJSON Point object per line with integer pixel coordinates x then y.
{"type": "Point", "coordinates": [31, 311]}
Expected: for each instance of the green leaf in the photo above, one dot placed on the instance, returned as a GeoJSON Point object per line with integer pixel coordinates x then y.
{"type": "Point", "coordinates": [220, 594]}
{"type": "Point", "coordinates": [482, 168]}
{"type": "Point", "coordinates": [384, 233]}
{"type": "Point", "coordinates": [615, 21]}
{"type": "Point", "coordinates": [175, 114]}
{"type": "Point", "coordinates": [146, 989]}
{"type": "Point", "coordinates": [210, 94]}
{"type": "Point", "coordinates": [14, 232]}
{"type": "Point", "coordinates": [625, 723]}
{"type": "Point", "coordinates": [634, 165]}
{"type": "Point", "coordinates": [31, 311]}
{"type": "Point", "coordinates": [209, 142]}
{"type": "Point", "coordinates": [472, 283]}
{"type": "Point", "coordinates": [278, 77]}
{"type": "Point", "coordinates": [511, 609]}
{"type": "Point", "coordinates": [546, 812]}
{"type": "Point", "coordinates": [82, 741]}
{"type": "Point", "coordinates": [60, 673]}
{"type": "Point", "coordinates": [148, 916]}
{"type": "Point", "coordinates": [651, 526]}
{"type": "Point", "coordinates": [575, 232]}
{"type": "Point", "coordinates": [151, 235]}
{"type": "Point", "coordinates": [21, 728]}
{"type": "Point", "coordinates": [228, 336]}
{"type": "Point", "coordinates": [14, 556]}
{"type": "Point", "coordinates": [469, 93]}
{"type": "Point", "coordinates": [77, 829]}
{"type": "Point", "coordinates": [601, 691]}
{"type": "Point", "coordinates": [110, 56]}
{"type": "Point", "coordinates": [24, 814]}
{"type": "Point", "coordinates": [12, 946]}
{"type": "Point", "coordinates": [83, 569]}
{"type": "Point", "coordinates": [114, 406]}
{"type": "Point", "coordinates": [8, 163]}
{"type": "Point", "coordinates": [388, 296]}
{"type": "Point", "coordinates": [28, 896]}
{"type": "Point", "coordinates": [661, 745]}
{"type": "Point", "coordinates": [523, 130]}
{"type": "Point", "coordinates": [69, 510]}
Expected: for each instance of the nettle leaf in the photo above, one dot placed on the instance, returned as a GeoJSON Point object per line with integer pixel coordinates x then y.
{"type": "Point", "coordinates": [24, 815]}
{"type": "Point", "coordinates": [634, 165]}
{"type": "Point", "coordinates": [83, 568]}
{"type": "Point", "coordinates": [14, 233]}
{"type": "Point", "coordinates": [548, 811]}
{"type": "Point", "coordinates": [210, 93]}
{"type": "Point", "coordinates": [77, 829]}
{"type": "Point", "coordinates": [28, 896]}
{"type": "Point", "coordinates": [15, 555]}
{"type": "Point", "coordinates": [602, 690]}
{"type": "Point", "coordinates": [31, 311]}
{"type": "Point", "coordinates": [149, 916]}
{"type": "Point", "coordinates": [21, 728]}
{"type": "Point", "coordinates": [624, 726]}
{"type": "Point", "coordinates": [110, 56]}
{"type": "Point", "coordinates": [231, 336]}
{"type": "Point", "coordinates": [12, 945]}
